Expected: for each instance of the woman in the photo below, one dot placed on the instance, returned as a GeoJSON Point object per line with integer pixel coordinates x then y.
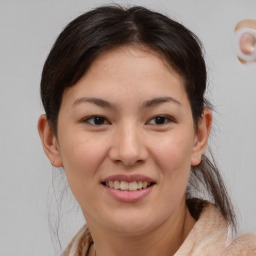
{"type": "Point", "coordinates": [123, 90]}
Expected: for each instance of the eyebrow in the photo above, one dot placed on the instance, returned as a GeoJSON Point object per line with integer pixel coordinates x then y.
{"type": "Point", "coordinates": [159, 100]}
{"type": "Point", "coordinates": [96, 101]}
{"type": "Point", "coordinates": [104, 103]}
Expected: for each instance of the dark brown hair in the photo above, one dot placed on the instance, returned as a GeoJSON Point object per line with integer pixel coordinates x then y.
{"type": "Point", "coordinates": [107, 27]}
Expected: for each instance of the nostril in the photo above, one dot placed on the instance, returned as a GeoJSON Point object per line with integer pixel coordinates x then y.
{"type": "Point", "coordinates": [128, 163]}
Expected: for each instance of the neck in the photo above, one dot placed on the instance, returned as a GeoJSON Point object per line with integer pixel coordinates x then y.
{"type": "Point", "coordinates": [164, 240]}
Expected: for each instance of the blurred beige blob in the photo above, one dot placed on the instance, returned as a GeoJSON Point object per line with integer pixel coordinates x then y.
{"type": "Point", "coordinates": [246, 40]}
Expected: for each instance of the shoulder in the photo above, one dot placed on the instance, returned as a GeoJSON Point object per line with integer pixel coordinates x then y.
{"type": "Point", "coordinates": [244, 245]}
{"type": "Point", "coordinates": [210, 236]}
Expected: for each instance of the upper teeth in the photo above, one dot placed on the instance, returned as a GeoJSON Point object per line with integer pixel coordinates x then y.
{"type": "Point", "coordinates": [131, 186]}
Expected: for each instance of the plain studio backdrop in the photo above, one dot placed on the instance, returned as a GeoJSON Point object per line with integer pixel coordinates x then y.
{"type": "Point", "coordinates": [27, 32]}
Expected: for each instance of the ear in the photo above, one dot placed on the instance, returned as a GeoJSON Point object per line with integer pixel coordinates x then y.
{"type": "Point", "coordinates": [201, 137]}
{"type": "Point", "coordinates": [49, 141]}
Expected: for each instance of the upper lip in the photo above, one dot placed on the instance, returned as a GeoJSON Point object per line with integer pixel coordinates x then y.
{"type": "Point", "coordinates": [129, 178]}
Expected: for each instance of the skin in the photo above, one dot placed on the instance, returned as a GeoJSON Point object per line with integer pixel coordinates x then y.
{"type": "Point", "coordinates": [129, 141]}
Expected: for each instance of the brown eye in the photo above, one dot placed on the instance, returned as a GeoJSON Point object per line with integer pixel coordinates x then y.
{"type": "Point", "coordinates": [160, 120]}
{"type": "Point", "coordinates": [96, 120]}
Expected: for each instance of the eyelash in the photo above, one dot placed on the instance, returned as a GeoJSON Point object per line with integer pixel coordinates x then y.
{"type": "Point", "coordinates": [92, 120]}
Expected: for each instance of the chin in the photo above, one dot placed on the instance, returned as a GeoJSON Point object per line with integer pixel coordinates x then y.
{"type": "Point", "coordinates": [133, 222]}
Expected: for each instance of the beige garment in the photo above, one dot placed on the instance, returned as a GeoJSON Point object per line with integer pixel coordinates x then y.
{"type": "Point", "coordinates": [208, 237]}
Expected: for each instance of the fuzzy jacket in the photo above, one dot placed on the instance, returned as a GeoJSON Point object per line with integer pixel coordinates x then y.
{"type": "Point", "coordinates": [208, 237]}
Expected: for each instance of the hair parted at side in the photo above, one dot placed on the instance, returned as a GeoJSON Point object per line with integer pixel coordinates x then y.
{"type": "Point", "coordinates": [108, 27]}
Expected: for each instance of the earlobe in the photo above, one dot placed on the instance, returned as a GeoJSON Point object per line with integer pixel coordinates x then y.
{"type": "Point", "coordinates": [49, 141]}
{"type": "Point", "coordinates": [201, 137]}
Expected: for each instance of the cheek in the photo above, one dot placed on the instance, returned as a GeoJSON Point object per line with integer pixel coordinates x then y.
{"type": "Point", "coordinates": [81, 159]}
{"type": "Point", "coordinates": [174, 153]}
{"type": "Point", "coordinates": [173, 160]}
{"type": "Point", "coordinates": [81, 152]}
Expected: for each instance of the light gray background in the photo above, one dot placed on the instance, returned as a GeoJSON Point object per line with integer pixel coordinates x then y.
{"type": "Point", "coordinates": [27, 32]}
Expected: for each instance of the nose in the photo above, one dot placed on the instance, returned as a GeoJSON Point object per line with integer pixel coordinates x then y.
{"type": "Point", "coordinates": [128, 145]}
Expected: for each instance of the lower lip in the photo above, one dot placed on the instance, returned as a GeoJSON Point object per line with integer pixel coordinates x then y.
{"type": "Point", "coordinates": [129, 196]}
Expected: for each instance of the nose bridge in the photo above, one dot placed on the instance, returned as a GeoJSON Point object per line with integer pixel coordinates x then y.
{"type": "Point", "coordinates": [128, 144]}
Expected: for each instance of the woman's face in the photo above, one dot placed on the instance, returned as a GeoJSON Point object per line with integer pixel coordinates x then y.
{"type": "Point", "coordinates": [127, 123]}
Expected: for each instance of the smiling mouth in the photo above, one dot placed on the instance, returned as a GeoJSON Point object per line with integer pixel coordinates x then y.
{"type": "Point", "coordinates": [128, 186]}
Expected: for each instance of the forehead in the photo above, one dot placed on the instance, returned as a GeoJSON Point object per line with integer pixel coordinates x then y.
{"type": "Point", "coordinates": [132, 60]}
{"type": "Point", "coordinates": [133, 50]}
{"type": "Point", "coordinates": [128, 68]}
